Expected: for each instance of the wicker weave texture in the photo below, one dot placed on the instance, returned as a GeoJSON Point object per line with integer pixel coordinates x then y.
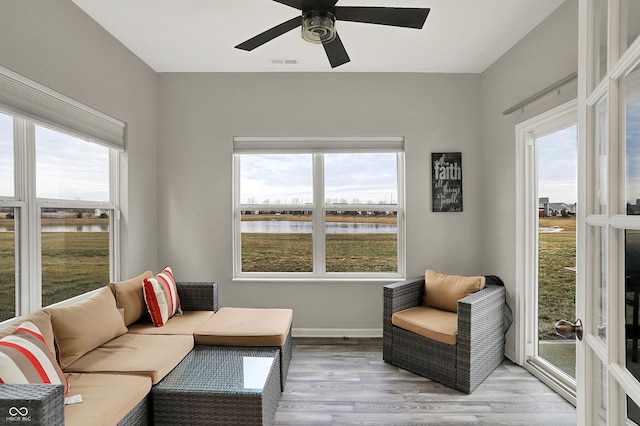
{"type": "Point", "coordinates": [198, 296]}
{"type": "Point", "coordinates": [480, 341]}
{"type": "Point", "coordinates": [207, 388]}
{"type": "Point", "coordinates": [42, 405]}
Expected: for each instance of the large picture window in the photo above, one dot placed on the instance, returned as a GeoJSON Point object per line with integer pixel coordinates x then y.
{"type": "Point", "coordinates": [58, 196]}
{"type": "Point", "coordinates": [57, 227]}
{"type": "Point", "coordinates": [321, 208]}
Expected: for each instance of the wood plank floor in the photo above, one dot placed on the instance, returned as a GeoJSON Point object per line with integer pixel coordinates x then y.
{"type": "Point", "coordinates": [346, 382]}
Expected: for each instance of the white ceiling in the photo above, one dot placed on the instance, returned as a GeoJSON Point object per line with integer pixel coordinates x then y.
{"type": "Point", "coordinates": [460, 36]}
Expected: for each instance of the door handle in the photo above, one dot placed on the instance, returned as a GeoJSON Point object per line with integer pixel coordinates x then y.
{"type": "Point", "coordinates": [566, 328]}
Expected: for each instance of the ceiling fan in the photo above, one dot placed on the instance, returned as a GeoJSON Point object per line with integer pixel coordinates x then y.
{"type": "Point", "coordinates": [318, 20]}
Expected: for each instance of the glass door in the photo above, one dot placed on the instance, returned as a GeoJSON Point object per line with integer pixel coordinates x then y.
{"type": "Point", "coordinates": [608, 371]}
{"type": "Point", "coordinates": [547, 150]}
{"type": "Point", "coordinates": [557, 161]}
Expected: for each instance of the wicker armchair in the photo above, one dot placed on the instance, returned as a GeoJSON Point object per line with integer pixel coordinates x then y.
{"type": "Point", "coordinates": [480, 341]}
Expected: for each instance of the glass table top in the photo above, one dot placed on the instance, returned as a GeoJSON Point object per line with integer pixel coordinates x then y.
{"type": "Point", "coordinates": [221, 369]}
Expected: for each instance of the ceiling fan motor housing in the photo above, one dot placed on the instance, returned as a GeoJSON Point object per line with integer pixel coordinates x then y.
{"type": "Point", "coordinates": [318, 26]}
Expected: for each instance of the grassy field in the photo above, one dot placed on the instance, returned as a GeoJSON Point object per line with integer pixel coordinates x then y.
{"type": "Point", "coordinates": [556, 283]}
{"type": "Point", "coordinates": [76, 262]}
{"type": "Point", "coordinates": [293, 252]}
{"type": "Point", "coordinates": [72, 263]}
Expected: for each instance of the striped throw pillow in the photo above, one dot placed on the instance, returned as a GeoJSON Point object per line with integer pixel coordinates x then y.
{"type": "Point", "coordinates": [26, 358]}
{"type": "Point", "coordinates": [161, 297]}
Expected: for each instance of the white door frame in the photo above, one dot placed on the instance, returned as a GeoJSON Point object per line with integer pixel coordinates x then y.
{"type": "Point", "coordinates": [526, 315]}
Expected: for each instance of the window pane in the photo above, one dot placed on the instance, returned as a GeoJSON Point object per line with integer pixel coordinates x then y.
{"type": "Point", "coordinates": [632, 300]}
{"type": "Point", "coordinates": [630, 25]}
{"type": "Point", "coordinates": [599, 284]}
{"type": "Point", "coordinates": [631, 86]}
{"type": "Point", "coordinates": [276, 179]}
{"type": "Point", "coordinates": [75, 252]}
{"type": "Point", "coordinates": [370, 178]}
{"type": "Point", "coordinates": [7, 263]}
{"type": "Point", "coordinates": [600, 41]}
{"type": "Point", "coordinates": [361, 241]}
{"type": "Point", "coordinates": [7, 187]}
{"type": "Point", "coordinates": [276, 241]}
{"type": "Point", "coordinates": [69, 168]}
{"type": "Point", "coordinates": [600, 395]}
{"type": "Point", "coordinates": [600, 157]}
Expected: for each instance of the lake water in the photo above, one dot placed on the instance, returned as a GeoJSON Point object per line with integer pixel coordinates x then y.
{"type": "Point", "coordinates": [65, 228]}
{"type": "Point", "coordinates": [293, 226]}
{"type": "Point", "coordinates": [257, 226]}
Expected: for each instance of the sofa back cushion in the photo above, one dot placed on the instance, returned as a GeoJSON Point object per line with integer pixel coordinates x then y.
{"type": "Point", "coordinates": [129, 297]}
{"type": "Point", "coordinates": [442, 291]}
{"type": "Point", "coordinates": [85, 325]}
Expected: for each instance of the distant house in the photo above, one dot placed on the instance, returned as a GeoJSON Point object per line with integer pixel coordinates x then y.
{"type": "Point", "coordinates": [557, 208]}
{"type": "Point", "coordinates": [543, 206]}
{"type": "Point", "coordinates": [633, 208]}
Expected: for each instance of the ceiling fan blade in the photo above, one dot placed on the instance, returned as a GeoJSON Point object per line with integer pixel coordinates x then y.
{"type": "Point", "coordinates": [336, 52]}
{"type": "Point", "coordinates": [407, 17]}
{"type": "Point", "coordinates": [270, 34]}
{"type": "Point", "coordinates": [309, 4]}
{"type": "Point", "coordinates": [296, 4]}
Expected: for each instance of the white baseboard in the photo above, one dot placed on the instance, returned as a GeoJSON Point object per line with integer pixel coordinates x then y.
{"type": "Point", "coordinates": [337, 332]}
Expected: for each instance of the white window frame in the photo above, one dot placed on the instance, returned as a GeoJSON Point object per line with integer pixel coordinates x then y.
{"type": "Point", "coordinates": [318, 147]}
{"type": "Point", "coordinates": [28, 230]}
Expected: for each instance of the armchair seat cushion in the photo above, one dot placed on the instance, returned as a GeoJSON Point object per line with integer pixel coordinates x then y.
{"type": "Point", "coordinates": [426, 321]}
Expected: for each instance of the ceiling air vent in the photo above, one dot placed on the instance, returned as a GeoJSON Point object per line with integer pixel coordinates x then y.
{"type": "Point", "coordinates": [283, 61]}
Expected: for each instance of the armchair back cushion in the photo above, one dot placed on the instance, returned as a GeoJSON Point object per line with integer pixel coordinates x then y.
{"type": "Point", "coordinates": [442, 291]}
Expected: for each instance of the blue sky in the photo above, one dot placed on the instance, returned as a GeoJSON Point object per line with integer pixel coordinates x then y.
{"type": "Point", "coordinates": [66, 167]}
{"type": "Point", "coordinates": [288, 178]}
{"type": "Point", "coordinates": [558, 166]}
{"type": "Point", "coordinates": [6, 156]}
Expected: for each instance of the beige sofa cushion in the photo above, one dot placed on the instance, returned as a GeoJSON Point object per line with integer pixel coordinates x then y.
{"type": "Point", "coordinates": [106, 398]}
{"type": "Point", "coordinates": [85, 325]}
{"type": "Point", "coordinates": [41, 319]}
{"type": "Point", "coordinates": [443, 291]}
{"type": "Point", "coordinates": [246, 327]}
{"type": "Point", "coordinates": [139, 354]}
{"type": "Point", "coordinates": [129, 297]}
{"type": "Point", "coordinates": [433, 323]}
{"type": "Point", "coordinates": [186, 324]}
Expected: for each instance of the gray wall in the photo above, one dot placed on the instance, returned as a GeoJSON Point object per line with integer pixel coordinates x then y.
{"type": "Point", "coordinates": [201, 113]}
{"type": "Point", "coordinates": [176, 173]}
{"type": "Point", "coordinates": [59, 46]}
{"type": "Point", "coordinates": [543, 57]}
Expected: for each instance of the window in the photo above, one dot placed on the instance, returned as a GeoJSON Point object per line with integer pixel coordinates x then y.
{"type": "Point", "coordinates": [321, 208]}
{"type": "Point", "coordinates": [58, 196]}
{"type": "Point", "coordinates": [56, 224]}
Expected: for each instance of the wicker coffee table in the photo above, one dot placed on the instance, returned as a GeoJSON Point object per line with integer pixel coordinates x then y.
{"type": "Point", "coordinates": [220, 385]}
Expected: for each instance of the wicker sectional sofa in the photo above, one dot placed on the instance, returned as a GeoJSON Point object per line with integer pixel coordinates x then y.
{"type": "Point", "coordinates": [112, 355]}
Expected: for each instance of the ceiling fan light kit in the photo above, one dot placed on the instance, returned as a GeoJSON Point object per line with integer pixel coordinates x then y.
{"type": "Point", "coordinates": [318, 27]}
{"type": "Point", "coordinates": [318, 18]}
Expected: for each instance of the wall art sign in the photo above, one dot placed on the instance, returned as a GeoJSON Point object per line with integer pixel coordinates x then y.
{"type": "Point", "coordinates": [446, 181]}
